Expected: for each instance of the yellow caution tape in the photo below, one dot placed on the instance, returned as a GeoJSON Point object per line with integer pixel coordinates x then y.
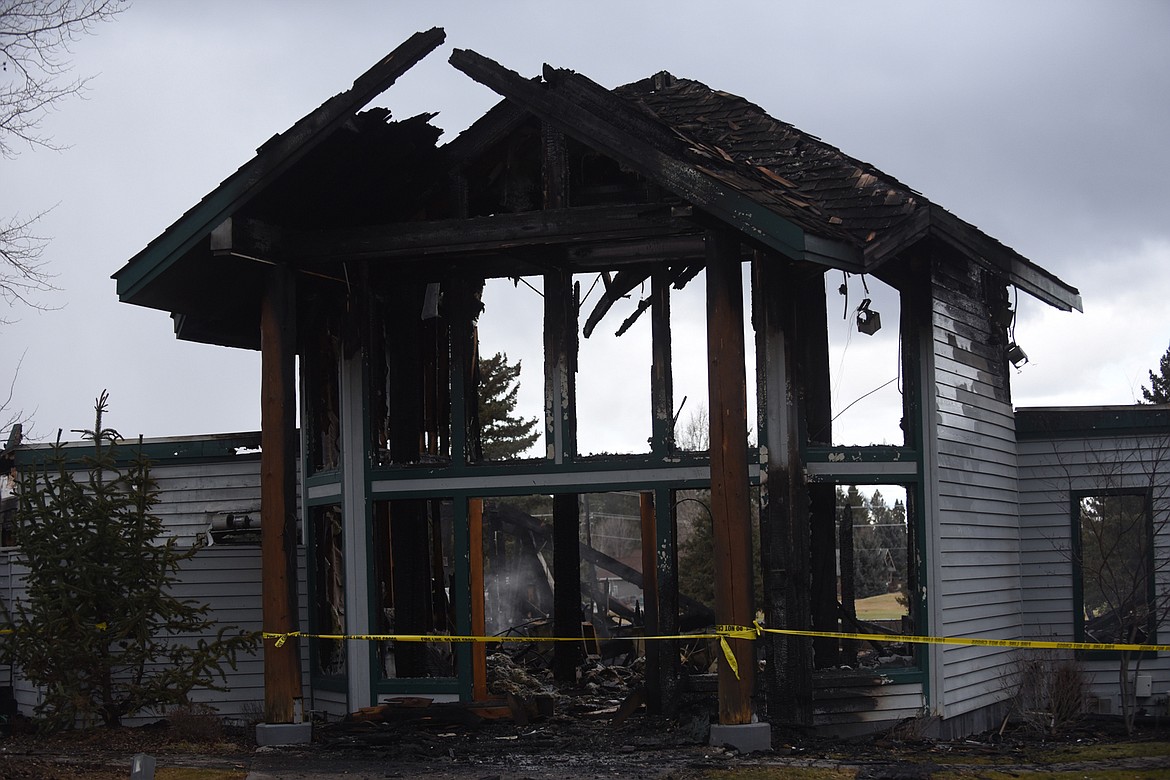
{"type": "Point", "coordinates": [971, 641]}
{"type": "Point", "coordinates": [725, 632]}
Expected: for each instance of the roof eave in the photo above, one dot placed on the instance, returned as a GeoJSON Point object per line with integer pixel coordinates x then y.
{"type": "Point", "coordinates": [1017, 269]}
{"type": "Point", "coordinates": [271, 160]}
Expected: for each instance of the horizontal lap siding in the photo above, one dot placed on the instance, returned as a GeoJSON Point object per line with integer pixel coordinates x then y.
{"type": "Point", "coordinates": [196, 492]}
{"type": "Point", "coordinates": [895, 702]}
{"type": "Point", "coordinates": [225, 577]}
{"type": "Point", "coordinates": [976, 522]}
{"type": "Point", "coordinates": [1050, 469]}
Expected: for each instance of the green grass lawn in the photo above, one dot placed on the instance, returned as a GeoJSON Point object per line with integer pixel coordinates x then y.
{"type": "Point", "coordinates": [883, 607]}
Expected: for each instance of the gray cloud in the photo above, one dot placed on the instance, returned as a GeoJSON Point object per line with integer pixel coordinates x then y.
{"type": "Point", "coordinates": [1043, 123]}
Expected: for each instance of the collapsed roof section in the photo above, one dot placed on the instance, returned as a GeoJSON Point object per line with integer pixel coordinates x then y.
{"type": "Point", "coordinates": [344, 184]}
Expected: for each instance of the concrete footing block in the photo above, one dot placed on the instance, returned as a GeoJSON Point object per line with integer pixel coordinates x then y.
{"type": "Point", "coordinates": [269, 734]}
{"type": "Point", "coordinates": [744, 737]}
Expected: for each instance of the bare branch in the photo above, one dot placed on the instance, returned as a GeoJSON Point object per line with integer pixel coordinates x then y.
{"type": "Point", "coordinates": [35, 40]}
{"type": "Point", "coordinates": [10, 417]}
{"type": "Point", "coordinates": [22, 263]}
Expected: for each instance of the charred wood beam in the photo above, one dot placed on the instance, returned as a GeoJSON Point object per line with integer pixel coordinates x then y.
{"type": "Point", "coordinates": [586, 115]}
{"type": "Point", "coordinates": [622, 284]}
{"type": "Point", "coordinates": [247, 237]}
{"type": "Point", "coordinates": [554, 167]}
{"type": "Point", "coordinates": [600, 100]}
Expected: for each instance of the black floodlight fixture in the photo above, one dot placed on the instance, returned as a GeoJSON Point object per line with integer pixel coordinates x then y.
{"type": "Point", "coordinates": [869, 322]}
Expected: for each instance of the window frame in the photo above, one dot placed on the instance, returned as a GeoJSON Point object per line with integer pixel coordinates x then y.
{"type": "Point", "coordinates": [1078, 577]}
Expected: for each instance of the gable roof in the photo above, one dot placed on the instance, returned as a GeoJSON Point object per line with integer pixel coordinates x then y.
{"type": "Point", "coordinates": [881, 214]}
{"type": "Point", "coordinates": [781, 189]}
{"type": "Point", "coordinates": [853, 216]}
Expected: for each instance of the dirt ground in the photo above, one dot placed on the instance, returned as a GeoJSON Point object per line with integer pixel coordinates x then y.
{"type": "Point", "coordinates": [594, 729]}
{"type": "Point", "coordinates": [578, 741]}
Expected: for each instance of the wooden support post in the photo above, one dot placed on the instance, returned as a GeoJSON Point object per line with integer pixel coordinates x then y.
{"type": "Point", "coordinates": [560, 365]}
{"type": "Point", "coordinates": [650, 599]}
{"type": "Point", "coordinates": [566, 585]}
{"type": "Point", "coordinates": [278, 507]}
{"type": "Point", "coordinates": [727, 401]}
{"type": "Point", "coordinates": [666, 564]}
{"type": "Point", "coordinates": [661, 378]}
{"type": "Point", "coordinates": [479, 691]}
{"type": "Point", "coordinates": [658, 559]}
{"type": "Point", "coordinates": [784, 524]}
{"type": "Point", "coordinates": [811, 374]}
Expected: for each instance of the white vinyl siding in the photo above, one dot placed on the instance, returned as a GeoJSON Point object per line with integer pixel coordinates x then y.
{"type": "Point", "coordinates": [975, 526]}
{"type": "Point", "coordinates": [1051, 468]}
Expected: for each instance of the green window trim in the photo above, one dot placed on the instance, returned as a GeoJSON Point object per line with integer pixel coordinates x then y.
{"type": "Point", "coordinates": [1113, 568]}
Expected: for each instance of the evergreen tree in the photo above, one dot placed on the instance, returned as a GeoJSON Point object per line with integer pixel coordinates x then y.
{"type": "Point", "coordinates": [99, 630]}
{"type": "Point", "coordinates": [504, 434]}
{"type": "Point", "coordinates": [696, 555]}
{"type": "Point", "coordinates": [1159, 390]}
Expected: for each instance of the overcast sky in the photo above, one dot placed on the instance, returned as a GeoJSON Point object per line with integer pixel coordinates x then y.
{"type": "Point", "coordinates": [1046, 124]}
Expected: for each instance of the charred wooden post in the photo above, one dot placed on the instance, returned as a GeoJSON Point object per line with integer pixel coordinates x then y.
{"type": "Point", "coordinates": [650, 599]}
{"type": "Point", "coordinates": [463, 306]}
{"type": "Point", "coordinates": [811, 368]}
{"type": "Point", "coordinates": [567, 585]}
{"type": "Point", "coordinates": [727, 399]}
{"type": "Point", "coordinates": [661, 377]}
{"type": "Point", "coordinates": [560, 317]}
{"type": "Point", "coordinates": [666, 561]}
{"type": "Point", "coordinates": [658, 549]}
{"type": "Point", "coordinates": [560, 358]}
{"type": "Point", "coordinates": [784, 516]}
{"type": "Point", "coordinates": [278, 522]}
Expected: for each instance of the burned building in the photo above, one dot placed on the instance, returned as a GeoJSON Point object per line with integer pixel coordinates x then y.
{"type": "Point", "coordinates": [356, 243]}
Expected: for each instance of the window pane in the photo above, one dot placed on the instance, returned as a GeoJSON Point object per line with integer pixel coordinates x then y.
{"type": "Point", "coordinates": [1114, 561]}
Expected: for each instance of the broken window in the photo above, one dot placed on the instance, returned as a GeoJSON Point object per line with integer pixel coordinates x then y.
{"type": "Point", "coordinates": [865, 361]}
{"type": "Point", "coordinates": [614, 364]}
{"type": "Point", "coordinates": [519, 584]}
{"type": "Point", "coordinates": [328, 612]}
{"type": "Point", "coordinates": [510, 327]}
{"type": "Point", "coordinates": [414, 567]}
{"type": "Point", "coordinates": [611, 584]}
{"type": "Point", "coordinates": [517, 564]}
{"type": "Point", "coordinates": [875, 577]}
{"type": "Point", "coordinates": [1113, 556]}
{"type": "Point", "coordinates": [688, 334]}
